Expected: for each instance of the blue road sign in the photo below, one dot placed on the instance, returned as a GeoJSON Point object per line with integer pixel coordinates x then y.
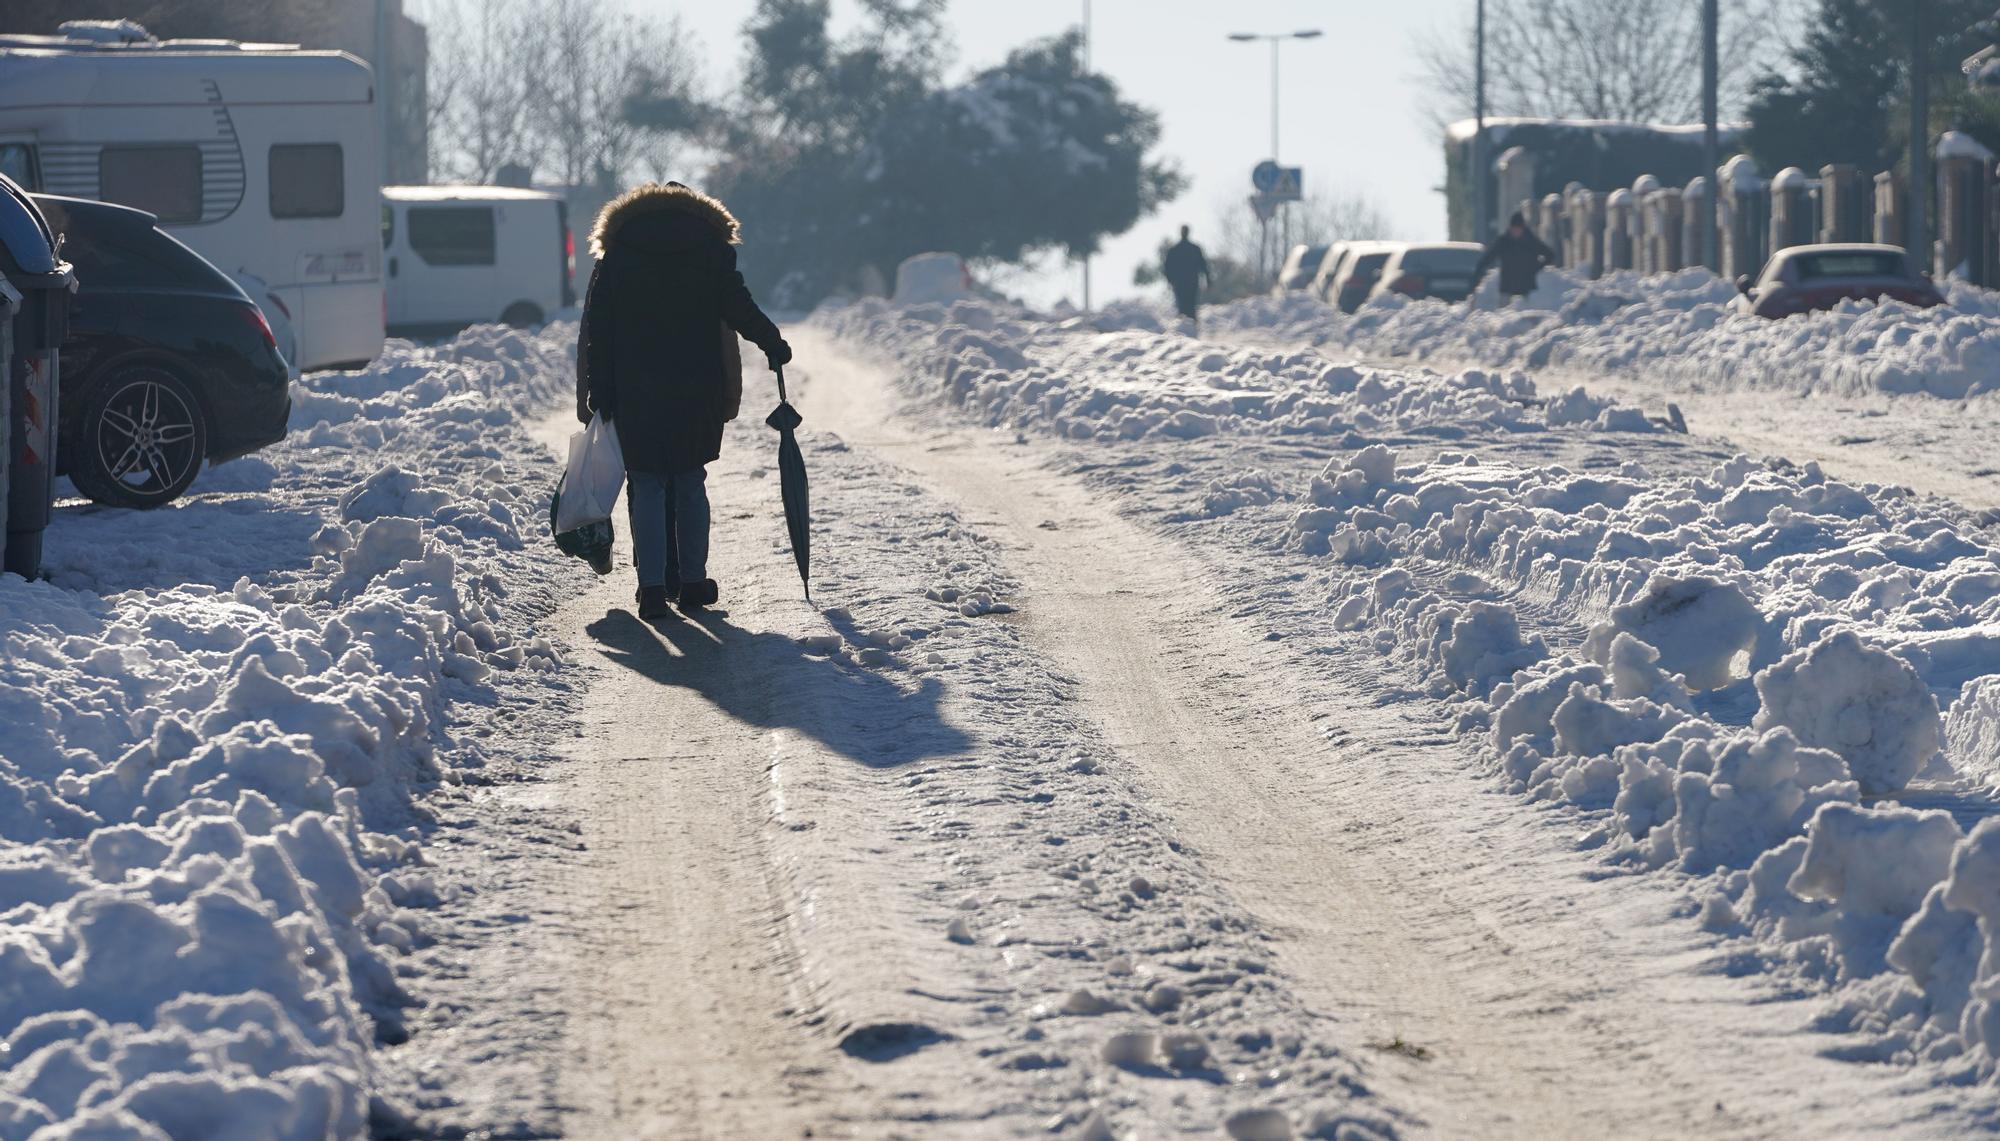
{"type": "Point", "coordinates": [1266, 176]}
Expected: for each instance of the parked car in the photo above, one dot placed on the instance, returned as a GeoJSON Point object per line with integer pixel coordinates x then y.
{"type": "Point", "coordinates": [1443, 270]}
{"type": "Point", "coordinates": [1358, 272]}
{"type": "Point", "coordinates": [167, 361]}
{"type": "Point", "coordinates": [1807, 278]}
{"type": "Point", "coordinates": [472, 255]}
{"type": "Point", "coordinates": [1300, 267]}
{"type": "Point", "coordinates": [1329, 268]}
{"type": "Point", "coordinates": [262, 157]}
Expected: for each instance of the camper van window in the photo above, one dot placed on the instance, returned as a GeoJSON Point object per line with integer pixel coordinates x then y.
{"type": "Point", "coordinates": [165, 181]}
{"type": "Point", "coordinates": [307, 181]}
{"type": "Point", "coordinates": [452, 235]}
{"type": "Point", "coordinates": [17, 161]}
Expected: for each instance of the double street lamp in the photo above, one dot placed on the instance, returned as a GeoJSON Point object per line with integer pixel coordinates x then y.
{"type": "Point", "coordinates": [1275, 41]}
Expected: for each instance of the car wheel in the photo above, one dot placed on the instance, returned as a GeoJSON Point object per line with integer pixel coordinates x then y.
{"type": "Point", "coordinates": [522, 315]}
{"type": "Point", "coordinates": [140, 439]}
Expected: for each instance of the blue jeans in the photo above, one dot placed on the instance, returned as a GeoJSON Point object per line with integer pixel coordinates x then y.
{"type": "Point", "coordinates": [669, 516]}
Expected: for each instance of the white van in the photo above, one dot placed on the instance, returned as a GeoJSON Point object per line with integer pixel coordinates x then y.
{"type": "Point", "coordinates": [260, 156]}
{"type": "Point", "coordinates": [473, 255]}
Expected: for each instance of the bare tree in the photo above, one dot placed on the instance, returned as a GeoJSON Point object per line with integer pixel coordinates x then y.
{"type": "Point", "coordinates": [482, 94]}
{"type": "Point", "coordinates": [599, 63]}
{"type": "Point", "coordinates": [1323, 218]}
{"type": "Point", "coordinates": [551, 84]}
{"type": "Point", "coordinates": [1624, 60]}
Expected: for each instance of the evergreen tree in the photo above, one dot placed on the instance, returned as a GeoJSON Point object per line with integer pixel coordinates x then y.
{"type": "Point", "coordinates": [845, 156]}
{"type": "Point", "coordinates": [1847, 99]}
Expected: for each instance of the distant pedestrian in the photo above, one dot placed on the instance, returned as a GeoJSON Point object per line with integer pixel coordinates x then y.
{"type": "Point", "coordinates": [1521, 256]}
{"type": "Point", "coordinates": [657, 355]}
{"type": "Point", "coordinates": [1186, 270]}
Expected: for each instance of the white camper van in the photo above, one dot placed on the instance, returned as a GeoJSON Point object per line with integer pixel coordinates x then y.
{"type": "Point", "coordinates": [471, 255]}
{"type": "Point", "coordinates": [262, 157]}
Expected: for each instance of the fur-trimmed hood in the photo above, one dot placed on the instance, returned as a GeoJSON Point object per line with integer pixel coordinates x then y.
{"type": "Point", "coordinates": [660, 198]}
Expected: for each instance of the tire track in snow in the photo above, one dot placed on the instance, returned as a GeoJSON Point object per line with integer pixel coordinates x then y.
{"type": "Point", "coordinates": [1407, 895]}
{"type": "Point", "coordinates": [845, 880]}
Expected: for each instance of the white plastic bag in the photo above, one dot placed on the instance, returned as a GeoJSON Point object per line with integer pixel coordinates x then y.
{"type": "Point", "coordinates": [595, 475]}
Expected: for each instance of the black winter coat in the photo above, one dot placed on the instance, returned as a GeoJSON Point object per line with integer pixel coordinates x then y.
{"type": "Point", "coordinates": [651, 352]}
{"type": "Point", "coordinates": [1184, 267]}
{"type": "Point", "coordinates": [1521, 260]}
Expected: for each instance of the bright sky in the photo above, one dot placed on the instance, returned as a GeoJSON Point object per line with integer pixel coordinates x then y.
{"type": "Point", "coordinates": [1349, 100]}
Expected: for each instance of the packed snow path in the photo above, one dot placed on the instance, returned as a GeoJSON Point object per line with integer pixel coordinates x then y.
{"type": "Point", "coordinates": [865, 872]}
{"type": "Point", "coordinates": [1510, 994]}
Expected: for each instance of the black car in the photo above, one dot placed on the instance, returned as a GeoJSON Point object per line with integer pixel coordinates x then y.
{"type": "Point", "coordinates": [167, 363]}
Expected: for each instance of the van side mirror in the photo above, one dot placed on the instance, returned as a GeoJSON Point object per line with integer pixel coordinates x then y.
{"type": "Point", "coordinates": [1743, 284]}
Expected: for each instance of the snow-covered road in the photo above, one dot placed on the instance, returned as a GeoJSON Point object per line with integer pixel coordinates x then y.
{"type": "Point", "coordinates": [1186, 739]}
{"type": "Point", "coordinates": [1502, 987]}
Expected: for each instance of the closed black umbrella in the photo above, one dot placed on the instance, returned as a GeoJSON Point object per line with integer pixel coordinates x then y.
{"type": "Point", "coordinates": [792, 483]}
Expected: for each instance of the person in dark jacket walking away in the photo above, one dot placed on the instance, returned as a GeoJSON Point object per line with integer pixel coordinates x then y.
{"type": "Point", "coordinates": [1186, 270]}
{"type": "Point", "coordinates": [1521, 256]}
{"type": "Point", "coordinates": [657, 355]}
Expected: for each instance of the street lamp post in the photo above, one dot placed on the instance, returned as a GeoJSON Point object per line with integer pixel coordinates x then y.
{"type": "Point", "coordinates": [1711, 147]}
{"type": "Point", "coordinates": [1275, 40]}
{"type": "Point", "coordinates": [1482, 168]}
{"type": "Point", "coordinates": [1087, 69]}
{"type": "Point", "coordinates": [1919, 238]}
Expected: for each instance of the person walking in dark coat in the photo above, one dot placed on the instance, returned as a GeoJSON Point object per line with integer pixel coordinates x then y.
{"type": "Point", "coordinates": [1186, 270]}
{"type": "Point", "coordinates": [657, 355]}
{"type": "Point", "coordinates": [1521, 256]}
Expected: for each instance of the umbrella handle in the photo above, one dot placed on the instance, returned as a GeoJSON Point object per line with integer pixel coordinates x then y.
{"type": "Point", "coordinates": [780, 370]}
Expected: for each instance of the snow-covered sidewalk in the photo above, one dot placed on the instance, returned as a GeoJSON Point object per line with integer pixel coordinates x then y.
{"type": "Point", "coordinates": [219, 722]}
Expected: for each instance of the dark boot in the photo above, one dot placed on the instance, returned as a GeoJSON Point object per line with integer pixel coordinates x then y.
{"type": "Point", "coordinates": [654, 602]}
{"type": "Point", "coordinates": [695, 595]}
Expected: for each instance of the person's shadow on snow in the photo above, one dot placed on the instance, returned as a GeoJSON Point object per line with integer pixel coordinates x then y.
{"type": "Point", "coordinates": [772, 682]}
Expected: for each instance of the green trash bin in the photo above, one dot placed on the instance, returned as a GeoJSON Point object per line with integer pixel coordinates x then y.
{"type": "Point", "coordinates": [10, 304]}
{"type": "Point", "coordinates": [33, 268]}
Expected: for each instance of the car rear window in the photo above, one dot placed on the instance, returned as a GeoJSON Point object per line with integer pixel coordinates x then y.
{"type": "Point", "coordinates": [1440, 261]}
{"type": "Point", "coordinates": [126, 256]}
{"type": "Point", "coordinates": [17, 161]}
{"type": "Point", "coordinates": [1811, 266]}
{"type": "Point", "coordinates": [451, 235]}
{"type": "Point", "coordinates": [1368, 264]}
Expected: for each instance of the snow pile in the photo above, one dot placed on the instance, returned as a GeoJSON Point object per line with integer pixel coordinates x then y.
{"type": "Point", "coordinates": [1680, 327]}
{"type": "Point", "coordinates": [1720, 666]}
{"type": "Point", "coordinates": [1074, 380]}
{"type": "Point", "coordinates": [208, 866]}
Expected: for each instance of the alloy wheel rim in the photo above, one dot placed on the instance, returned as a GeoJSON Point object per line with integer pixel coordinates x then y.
{"type": "Point", "coordinates": [146, 437]}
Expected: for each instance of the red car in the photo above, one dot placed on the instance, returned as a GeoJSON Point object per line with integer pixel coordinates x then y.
{"type": "Point", "coordinates": [1805, 279]}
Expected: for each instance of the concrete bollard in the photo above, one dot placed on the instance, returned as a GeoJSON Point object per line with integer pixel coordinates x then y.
{"type": "Point", "coordinates": [1847, 212]}
{"type": "Point", "coordinates": [1965, 209]}
{"type": "Point", "coordinates": [1696, 218]}
{"type": "Point", "coordinates": [1662, 211]}
{"type": "Point", "coordinates": [1514, 172]}
{"type": "Point", "coordinates": [1891, 202]}
{"type": "Point", "coordinates": [1551, 228]}
{"type": "Point", "coordinates": [1618, 210]}
{"type": "Point", "coordinates": [1746, 217]}
{"type": "Point", "coordinates": [1643, 187]}
{"type": "Point", "coordinates": [1791, 210]}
